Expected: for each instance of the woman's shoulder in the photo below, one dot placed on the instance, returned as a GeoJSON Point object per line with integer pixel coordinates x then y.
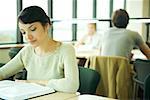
{"type": "Point", "coordinates": [27, 49]}
{"type": "Point", "coordinates": [67, 49]}
{"type": "Point", "coordinates": [66, 45]}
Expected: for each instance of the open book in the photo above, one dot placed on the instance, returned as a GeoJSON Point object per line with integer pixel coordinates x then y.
{"type": "Point", "coordinates": [12, 90]}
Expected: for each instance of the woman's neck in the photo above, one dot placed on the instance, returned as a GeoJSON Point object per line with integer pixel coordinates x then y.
{"type": "Point", "coordinates": [47, 46]}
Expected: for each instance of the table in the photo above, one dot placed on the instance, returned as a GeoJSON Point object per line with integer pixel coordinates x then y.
{"type": "Point", "coordinates": [137, 54]}
{"type": "Point", "coordinates": [7, 46]}
{"type": "Point", "coordinates": [86, 53]}
{"type": "Point", "coordinates": [90, 97]}
{"type": "Point", "coordinates": [82, 55]}
{"type": "Point", "coordinates": [56, 96]}
{"type": "Point", "coordinates": [70, 96]}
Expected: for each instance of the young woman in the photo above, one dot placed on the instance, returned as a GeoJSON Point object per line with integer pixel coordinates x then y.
{"type": "Point", "coordinates": [47, 61]}
{"type": "Point", "coordinates": [91, 39]}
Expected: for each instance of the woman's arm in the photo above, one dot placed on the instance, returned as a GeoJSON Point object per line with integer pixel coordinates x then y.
{"type": "Point", "coordinates": [12, 67]}
{"type": "Point", "coordinates": [81, 41]}
{"type": "Point", "coordinates": [70, 82]}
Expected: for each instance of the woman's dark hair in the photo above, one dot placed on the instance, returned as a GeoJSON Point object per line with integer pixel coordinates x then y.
{"type": "Point", "coordinates": [120, 18]}
{"type": "Point", "coordinates": [33, 14]}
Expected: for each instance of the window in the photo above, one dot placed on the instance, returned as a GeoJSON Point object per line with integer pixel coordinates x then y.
{"type": "Point", "coordinates": [84, 9]}
{"type": "Point", "coordinates": [81, 30]}
{"type": "Point", "coordinates": [103, 12]}
{"type": "Point", "coordinates": [118, 4]}
{"type": "Point", "coordinates": [62, 31]}
{"type": "Point", "coordinates": [41, 3]}
{"type": "Point", "coordinates": [103, 9]}
{"type": "Point", "coordinates": [62, 10]}
{"type": "Point", "coordinates": [134, 8]}
{"type": "Point", "coordinates": [8, 21]}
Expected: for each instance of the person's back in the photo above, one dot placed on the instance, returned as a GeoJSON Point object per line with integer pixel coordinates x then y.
{"type": "Point", "coordinates": [118, 41]}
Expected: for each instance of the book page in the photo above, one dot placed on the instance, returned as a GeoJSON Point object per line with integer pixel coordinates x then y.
{"type": "Point", "coordinates": [6, 83]}
{"type": "Point", "coordinates": [18, 90]}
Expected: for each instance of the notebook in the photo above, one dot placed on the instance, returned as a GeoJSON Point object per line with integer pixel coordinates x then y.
{"type": "Point", "coordinates": [12, 90]}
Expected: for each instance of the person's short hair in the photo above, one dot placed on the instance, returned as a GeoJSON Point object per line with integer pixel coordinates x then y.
{"type": "Point", "coordinates": [33, 14]}
{"type": "Point", "coordinates": [120, 18]}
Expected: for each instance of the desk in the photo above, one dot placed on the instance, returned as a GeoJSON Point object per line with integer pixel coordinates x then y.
{"type": "Point", "coordinates": [90, 97]}
{"type": "Point", "coordinates": [56, 96]}
{"type": "Point", "coordinates": [137, 54]}
{"type": "Point", "coordinates": [87, 53]}
{"type": "Point", "coordinates": [7, 46]}
{"type": "Point", "coordinates": [82, 55]}
{"type": "Point", "coordinates": [70, 96]}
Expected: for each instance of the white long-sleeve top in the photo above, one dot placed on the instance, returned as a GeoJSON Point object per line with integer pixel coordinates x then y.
{"type": "Point", "coordinates": [59, 67]}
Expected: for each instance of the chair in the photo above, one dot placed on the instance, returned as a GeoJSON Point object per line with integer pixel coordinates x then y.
{"type": "Point", "coordinates": [142, 69]}
{"type": "Point", "coordinates": [116, 76]}
{"type": "Point", "coordinates": [2, 64]}
{"type": "Point", "coordinates": [22, 75]}
{"type": "Point", "coordinates": [147, 88]}
{"type": "Point", "coordinates": [89, 80]}
{"type": "Point", "coordinates": [81, 61]}
{"type": "Point", "coordinates": [13, 51]}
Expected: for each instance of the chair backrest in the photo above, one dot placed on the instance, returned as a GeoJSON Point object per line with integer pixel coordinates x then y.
{"type": "Point", "coordinates": [115, 72]}
{"type": "Point", "coordinates": [142, 68]}
{"type": "Point", "coordinates": [147, 88]}
{"type": "Point", "coordinates": [81, 61]}
{"type": "Point", "coordinates": [13, 51]}
{"type": "Point", "coordinates": [2, 64]}
{"type": "Point", "coordinates": [89, 80]}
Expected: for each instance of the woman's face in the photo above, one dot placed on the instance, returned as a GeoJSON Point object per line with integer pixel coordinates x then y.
{"type": "Point", "coordinates": [91, 29]}
{"type": "Point", "coordinates": [34, 33]}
